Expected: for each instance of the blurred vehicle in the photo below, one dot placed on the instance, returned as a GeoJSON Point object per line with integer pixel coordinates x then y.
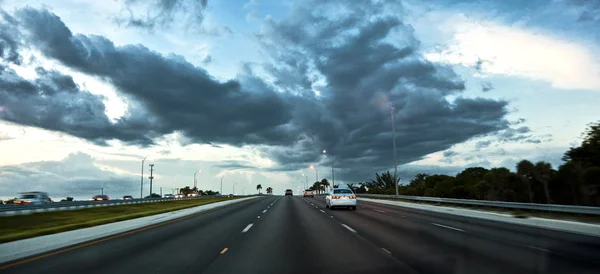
{"type": "Point", "coordinates": [127, 197]}
{"type": "Point", "coordinates": [33, 198]}
{"type": "Point", "coordinates": [178, 196]}
{"type": "Point", "coordinates": [169, 196]}
{"type": "Point", "coordinates": [192, 195]}
{"type": "Point", "coordinates": [341, 197]}
{"type": "Point", "coordinates": [230, 195]}
{"type": "Point", "coordinates": [309, 193]}
{"type": "Point", "coordinates": [100, 198]}
{"type": "Point", "coordinates": [289, 192]}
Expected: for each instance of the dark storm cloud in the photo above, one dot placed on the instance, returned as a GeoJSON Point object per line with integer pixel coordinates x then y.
{"type": "Point", "coordinates": [162, 13]}
{"type": "Point", "coordinates": [365, 69]}
{"type": "Point", "coordinates": [9, 39]}
{"type": "Point", "coordinates": [359, 68]}
{"type": "Point", "coordinates": [486, 86]}
{"type": "Point", "coordinates": [449, 153]}
{"type": "Point", "coordinates": [588, 9]}
{"type": "Point", "coordinates": [53, 101]}
{"type": "Point", "coordinates": [176, 95]}
{"type": "Point", "coordinates": [234, 165]}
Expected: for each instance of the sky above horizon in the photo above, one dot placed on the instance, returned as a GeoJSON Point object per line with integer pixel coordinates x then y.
{"type": "Point", "coordinates": [252, 91]}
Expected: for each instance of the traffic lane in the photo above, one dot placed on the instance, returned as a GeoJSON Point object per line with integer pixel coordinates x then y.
{"type": "Point", "coordinates": [295, 237]}
{"type": "Point", "coordinates": [581, 247]}
{"type": "Point", "coordinates": [433, 247]}
{"type": "Point", "coordinates": [184, 246]}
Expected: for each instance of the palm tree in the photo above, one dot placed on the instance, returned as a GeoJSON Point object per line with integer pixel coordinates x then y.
{"type": "Point", "coordinates": [525, 171]}
{"type": "Point", "coordinates": [317, 186]}
{"type": "Point", "coordinates": [269, 190]}
{"type": "Point", "coordinates": [325, 183]}
{"type": "Point", "coordinates": [258, 187]}
{"type": "Point", "coordinates": [352, 186]}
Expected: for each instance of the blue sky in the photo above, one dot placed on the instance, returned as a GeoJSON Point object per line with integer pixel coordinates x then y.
{"type": "Point", "coordinates": [255, 90]}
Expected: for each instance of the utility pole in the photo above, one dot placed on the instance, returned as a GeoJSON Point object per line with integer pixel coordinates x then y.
{"type": "Point", "coordinates": [395, 159]}
{"type": "Point", "coordinates": [151, 177]}
{"type": "Point", "coordinates": [161, 191]}
{"type": "Point", "coordinates": [102, 191]}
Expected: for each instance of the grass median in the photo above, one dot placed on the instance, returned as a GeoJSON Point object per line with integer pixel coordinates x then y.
{"type": "Point", "coordinates": [19, 227]}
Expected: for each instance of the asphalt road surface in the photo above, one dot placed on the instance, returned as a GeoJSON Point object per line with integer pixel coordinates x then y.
{"type": "Point", "coordinates": [296, 235]}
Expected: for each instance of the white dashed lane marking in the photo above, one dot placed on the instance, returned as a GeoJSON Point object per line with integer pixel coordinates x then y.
{"type": "Point", "coordinates": [247, 228]}
{"type": "Point", "coordinates": [448, 227]}
{"type": "Point", "coordinates": [349, 228]}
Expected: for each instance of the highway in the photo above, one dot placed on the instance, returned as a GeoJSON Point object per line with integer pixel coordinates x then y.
{"type": "Point", "coordinates": [276, 234]}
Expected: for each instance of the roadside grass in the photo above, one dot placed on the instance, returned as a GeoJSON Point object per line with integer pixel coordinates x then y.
{"type": "Point", "coordinates": [19, 227]}
{"type": "Point", "coordinates": [517, 213]}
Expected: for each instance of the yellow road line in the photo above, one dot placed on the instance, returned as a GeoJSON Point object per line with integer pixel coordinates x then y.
{"type": "Point", "coordinates": [104, 239]}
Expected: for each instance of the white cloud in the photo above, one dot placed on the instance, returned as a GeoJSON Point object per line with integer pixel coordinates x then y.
{"type": "Point", "coordinates": [514, 51]}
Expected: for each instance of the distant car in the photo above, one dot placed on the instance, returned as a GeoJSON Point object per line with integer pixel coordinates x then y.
{"type": "Point", "coordinates": [127, 197]}
{"type": "Point", "coordinates": [230, 195]}
{"type": "Point", "coordinates": [33, 198]}
{"type": "Point", "coordinates": [100, 198]}
{"type": "Point", "coordinates": [169, 196]}
{"type": "Point", "coordinates": [341, 197]}
{"type": "Point", "coordinates": [289, 192]}
{"type": "Point", "coordinates": [178, 196]}
{"type": "Point", "coordinates": [192, 195]}
{"type": "Point", "coordinates": [309, 193]}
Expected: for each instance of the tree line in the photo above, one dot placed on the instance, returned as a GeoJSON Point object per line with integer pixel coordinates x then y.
{"type": "Point", "coordinates": [575, 182]}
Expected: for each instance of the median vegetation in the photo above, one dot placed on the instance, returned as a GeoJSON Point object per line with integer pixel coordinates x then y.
{"type": "Point", "coordinates": [575, 182]}
{"type": "Point", "coordinates": [26, 226]}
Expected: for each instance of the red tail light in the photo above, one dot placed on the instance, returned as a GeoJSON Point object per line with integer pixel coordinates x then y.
{"type": "Point", "coordinates": [335, 197]}
{"type": "Point", "coordinates": [352, 197]}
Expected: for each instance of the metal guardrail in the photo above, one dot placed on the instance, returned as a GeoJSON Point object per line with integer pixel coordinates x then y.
{"type": "Point", "coordinates": [589, 210]}
{"type": "Point", "coordinates": [11, 209]}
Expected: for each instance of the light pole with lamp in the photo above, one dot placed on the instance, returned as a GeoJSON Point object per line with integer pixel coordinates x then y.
{"type": "Point", "coordinates": [195, 184]}
{"type": "Point", "coordinates": [306, 178]}
{"type": "Point", "coordinates": [316, 174]}
{"type": "Point", "coordinates": [221, 191]}
{"type": "Point", "coordinates": [395, 160]}
{"type": "Point", "coordinates": [142, 179]}
{"type": "Point", "coordinates": [332, 173]}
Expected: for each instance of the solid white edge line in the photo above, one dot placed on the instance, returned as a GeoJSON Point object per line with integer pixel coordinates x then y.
{"type": "Point", "coordinates": [247, 228]}
{"type": "Point", "coordinates": [387, 251]}
{"type": "Point", "coordinates": [349, 228]}
{"type": "Point", "coordinates": [322, 211]}
{"type": "Point", "coordinates": [448, 227]}
{"type": "Point", "coordinates": [264, 211]}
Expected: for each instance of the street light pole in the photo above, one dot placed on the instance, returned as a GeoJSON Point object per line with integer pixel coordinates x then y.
{"type": "Point", "coordinates": [332, 172]}
{"type": "Point", "coordinates": [306, 178]}
{"type": "Point", "coordinates": [395, 159]}
{"type": "Point", "coordinates": [234, 188]}
{"type": "Point", "coordinates": [142, 179]}
{"type": "Point", "coordinates": [195, 186]}
{"type": "Point", "coordinates": [221, 191]}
